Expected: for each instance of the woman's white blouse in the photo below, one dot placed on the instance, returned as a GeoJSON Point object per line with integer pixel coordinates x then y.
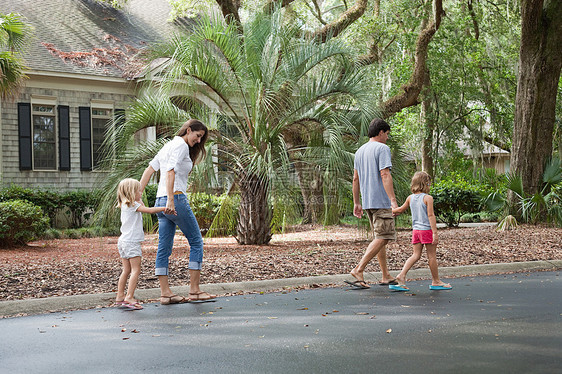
{"type": "Point", "coordinates": [174, 155]}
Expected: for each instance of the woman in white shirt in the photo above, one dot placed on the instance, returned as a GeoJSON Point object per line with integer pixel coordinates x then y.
{"type": "Point", "coordinates": [175, 161]}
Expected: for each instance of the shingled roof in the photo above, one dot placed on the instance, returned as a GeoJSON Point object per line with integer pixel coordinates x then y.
{"type": "Point", "coordinates": [89, 37]}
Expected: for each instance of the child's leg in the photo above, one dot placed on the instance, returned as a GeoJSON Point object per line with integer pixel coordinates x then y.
{"type": "Point", "coordinates": [123, 279]}
{"type": "Point", "coordinates": [409, 263]}
{"type": "Point", "coordinates": [133, 280]}
{"type": "Point", "coordinates": [432, 260]}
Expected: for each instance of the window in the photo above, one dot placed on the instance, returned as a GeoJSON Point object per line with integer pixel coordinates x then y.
{"type": "Point", "coordinates": [100, 119]}
{"type": "Point", "coordinates": [44, 137]}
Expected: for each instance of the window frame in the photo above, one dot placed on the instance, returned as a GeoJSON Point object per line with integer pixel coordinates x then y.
{"type": "Point", "coordinates": [100, 105]}
{"type": "Point", "coordinates": [44, 101]}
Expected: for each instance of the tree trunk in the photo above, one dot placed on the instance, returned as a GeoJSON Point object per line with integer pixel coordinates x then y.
{"type": "Point", "coordinates": [540, 62]}
{"type": "Point", "coordinates": [254, 216]}
{"type": "Point", "coordinates": [311, 183]}
{"type": "Point", "coordinates": [427, 140]}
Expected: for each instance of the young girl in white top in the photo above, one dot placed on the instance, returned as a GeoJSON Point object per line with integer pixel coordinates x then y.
{"type": "Point", "coordinates": [129, 243]}
{"type": "Point", "coordinates": [424, 232]}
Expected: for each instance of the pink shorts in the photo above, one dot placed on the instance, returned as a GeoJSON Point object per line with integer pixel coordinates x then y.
{"type": "Point", "coordinates": [422, 236]}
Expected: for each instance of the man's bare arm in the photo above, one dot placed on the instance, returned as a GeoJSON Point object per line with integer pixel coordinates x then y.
{"type": "Point", "coordinates": [389, 187]}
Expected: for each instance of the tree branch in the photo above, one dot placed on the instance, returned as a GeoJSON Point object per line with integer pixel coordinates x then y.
{"type": "Point", "coordinates": [474, 20]}
{"type": "Point", "coordinates": [230, 9]}
{"type": "Point", "coordinates": [375, 53]}
{"type": "Point", "coordinates": [411, 90]}
{"type": "Point", "coordinates": [316, 12]}
{"type": "Point", "coordinates": [345, 19]}
{"type": "Point", "coordinates": [270, 6]}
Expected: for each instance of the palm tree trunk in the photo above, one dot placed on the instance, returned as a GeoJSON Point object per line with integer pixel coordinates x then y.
{"type": "Point", "coordinates": [312, 186]}
{"type": "Point", "coordinates": [254, 215]}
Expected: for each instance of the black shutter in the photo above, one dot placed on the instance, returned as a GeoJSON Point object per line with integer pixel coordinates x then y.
{"type": "Point", "coordinates": [24, 134]}
{"type": "Point", "coordinates": [85, 138]}
{"type": "Point", "coordinates": [64, 137]}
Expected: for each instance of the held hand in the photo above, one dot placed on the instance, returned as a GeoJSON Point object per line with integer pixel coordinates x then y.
{"type": "Point", "coordinates": [435, 239]}
{"type": "Point", "coordinates": [358, 210]}
{"type": "Point", "coordinates": [395, 212]}
{"type": "Point", "coordinates": [174, 213]}
{"type": "Point", "coordinates": [170, 207]}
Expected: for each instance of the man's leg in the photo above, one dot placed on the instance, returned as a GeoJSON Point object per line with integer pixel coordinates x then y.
{"type": "Point", "coordinates": [381, 257]}
{"type": "Point", "coordinates": [372, 250]}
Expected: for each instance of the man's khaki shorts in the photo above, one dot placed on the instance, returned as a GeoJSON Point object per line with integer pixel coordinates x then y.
{"type": "Point", "coordinates": [382, 223]}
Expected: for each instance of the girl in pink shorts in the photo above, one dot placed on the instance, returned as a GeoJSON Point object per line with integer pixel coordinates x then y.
{"type": "Point", "coordinates": [424, 232]}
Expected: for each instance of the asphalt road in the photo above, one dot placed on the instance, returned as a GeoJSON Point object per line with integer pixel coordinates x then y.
{"type": "Point", "coordinates": [486, 324]}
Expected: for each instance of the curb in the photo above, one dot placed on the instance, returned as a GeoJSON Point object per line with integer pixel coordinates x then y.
{"type": "Point", "coordinates": [65, 303]}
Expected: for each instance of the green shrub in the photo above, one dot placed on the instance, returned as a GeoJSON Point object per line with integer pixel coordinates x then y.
{"type": "Point", "coordinates": [452, 198]}
{"type": "Point", "coordinates": [225, 220]}
{"type": "Point", "coordinates": [205, 207]}
{"type": "Point", "coordinates": [21, 222]}
{"type": "Point", "coordinates": [80, 204]}
{"type": "Point", "coordinates": [545, 205]}
{"type": "Point", "coordinates": [47, 200]}
{"type": "Point", "coordinates": [150, 194]}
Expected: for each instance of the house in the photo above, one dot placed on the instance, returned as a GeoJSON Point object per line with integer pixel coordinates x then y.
{"type": "Point", "coordinates": [83, 70]}
{"type": "Point", "coordinates": [491, 157]}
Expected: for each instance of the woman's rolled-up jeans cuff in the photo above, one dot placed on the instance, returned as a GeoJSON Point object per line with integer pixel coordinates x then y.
{"type": "Point", "coordinates": [192, 266]}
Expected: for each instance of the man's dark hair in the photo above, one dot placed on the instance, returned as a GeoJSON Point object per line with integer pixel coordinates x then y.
{"type": "Point", "coordinates": [376, 126]}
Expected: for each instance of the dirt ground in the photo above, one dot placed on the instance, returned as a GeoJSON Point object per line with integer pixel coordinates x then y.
{"type": "Point", "coordinates": [81, 266]}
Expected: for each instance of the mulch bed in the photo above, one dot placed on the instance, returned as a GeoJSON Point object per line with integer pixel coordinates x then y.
{"type": "Point", "coordinates": [83, 266]}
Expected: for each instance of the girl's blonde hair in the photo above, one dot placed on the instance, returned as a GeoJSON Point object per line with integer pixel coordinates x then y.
{"type": "Point", "coordinates": [126, 192]}
{"type": "Point", "coordinates": [421, 182]}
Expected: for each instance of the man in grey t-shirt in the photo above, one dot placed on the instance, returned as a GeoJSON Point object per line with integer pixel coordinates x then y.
{"type": "Point", "coordinates": [373, 191]}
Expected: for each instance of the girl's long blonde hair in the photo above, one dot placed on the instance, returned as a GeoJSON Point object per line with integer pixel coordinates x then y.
{"type": "Point", "coordinates": [421, 182]}
{"type": "Point", "coordinates": [126, 192]}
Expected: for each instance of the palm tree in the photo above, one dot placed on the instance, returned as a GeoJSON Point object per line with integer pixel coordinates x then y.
{"type": "Point", "coordinates": [267, 84]}
{"type": "Point", "coordinates": [256, 90]}
{"type": "Point", "coordinates": [14, 36]}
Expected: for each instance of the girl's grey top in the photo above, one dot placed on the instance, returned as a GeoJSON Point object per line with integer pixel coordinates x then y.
{"type": "Point", "coordinates": [420, 220]}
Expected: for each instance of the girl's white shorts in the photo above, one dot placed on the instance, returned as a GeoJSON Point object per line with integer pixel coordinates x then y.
{"type": "Point", "coordinates": [129, 249]}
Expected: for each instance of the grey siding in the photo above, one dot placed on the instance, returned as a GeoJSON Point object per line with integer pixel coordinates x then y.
{"type": "Point", "coordinates": [56, 179]}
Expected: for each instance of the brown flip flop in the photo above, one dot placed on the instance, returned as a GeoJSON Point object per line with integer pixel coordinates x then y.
{"type": "Point", "coordinates": [199, 297]}
{"type": "Point", "coordinates": [167, 300]}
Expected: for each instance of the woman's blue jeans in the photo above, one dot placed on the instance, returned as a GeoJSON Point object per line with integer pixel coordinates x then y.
{"type": "Point", "coordinates": [185, 220]}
